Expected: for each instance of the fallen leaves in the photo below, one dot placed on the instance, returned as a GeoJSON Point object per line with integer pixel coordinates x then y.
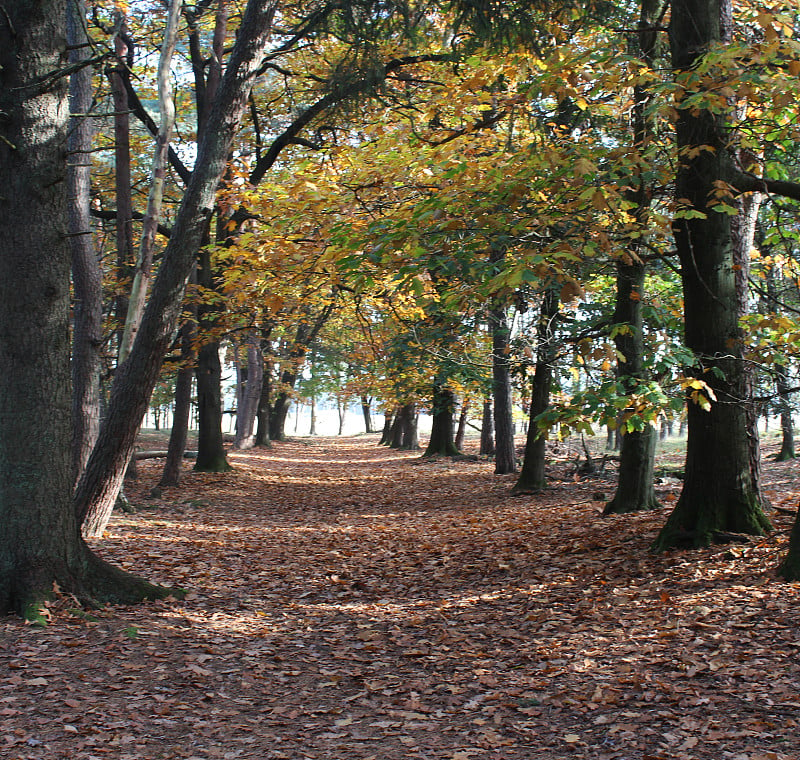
{"type": "Point", "coordinates": [347, 602]}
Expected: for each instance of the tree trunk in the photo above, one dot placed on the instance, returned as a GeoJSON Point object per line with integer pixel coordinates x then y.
{"type": "Point", "coordinates": [787, 425]}
{"type": "Point", "coordinates": [461, 427]}
{"type": "Point", "coordinates": [532, 477]}
{"type": "Point", "coordinates": [278, 415]}
{"type": "Point", "coordinates": [505, 456]}
{"type": "Point", "coordinates": [263, 436]}
{"type": "Point", "coordinates": [40, 542]}
{"type": "Point", "coordinates": [134, 380]}
{"type": "Point", "coordinates": [407, 423]}
{"type": "Point", "coordinates": [635, 491]}
{"type": "Point", "coordinates": [442, 441]}
{"type": "Point", "coordinates": [487, 429]}
{"type": "Point", "coordinates": [389, 419]}
{"type": "Point", "coordinates": [171, 475]}
{"type": "Point", "coordinates": [247, 407]}
{"type": "Point", "coordinates": [365, 410]}
{"type": "Point", "coordinates": [341, 408]}
{"type": "Point", "coordinates": [211, 455]}
{"type": "Point", "coordinates": [719, 496]}
{"type": "Point", "coordinates": [158, 173]}
{"type": "Point", "coordinates": [87, 279]}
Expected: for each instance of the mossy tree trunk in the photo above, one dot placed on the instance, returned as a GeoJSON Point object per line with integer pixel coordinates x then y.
{"type": "Point", "coordinates": [719, 496]}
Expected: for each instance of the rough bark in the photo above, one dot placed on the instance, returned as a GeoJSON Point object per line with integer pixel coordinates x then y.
{"type": "Point", "coordinates": [135, 379]}
{"type": "Point", "coordinates": [87, 279]}
{"type": "Point", "coordinates": [40, 542]}
{"type": "Point", "coordinates": [442, 441]}
{"type": "Point", "coordinates": [532, 476]}
{"type": "Point", "coordinates": [718, 496]}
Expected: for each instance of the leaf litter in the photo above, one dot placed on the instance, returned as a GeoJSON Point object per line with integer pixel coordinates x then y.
{"type": "Point", "coordinates": [351, 601]}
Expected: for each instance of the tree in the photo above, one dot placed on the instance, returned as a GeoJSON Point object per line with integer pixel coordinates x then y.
{"type": "Point", "coordinates": [40, 541]}
{"type": "Point", "coordinates": [87, 279]}
{"type": "Point", "coordinates": [135, 378]}
{"type": "Point", "coordinates": [719, 496]}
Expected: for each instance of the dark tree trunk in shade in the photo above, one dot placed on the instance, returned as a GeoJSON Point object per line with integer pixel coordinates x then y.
{"type": "Point", "coordinates": [408, 426]}
{"type": "Point", "coordinates": [396, 433]}
{"type": "Point", "coordinates": [505, 456]}
{"type": "Point", "coordinates": [719, 496]}
{"type": "Point", "coordinates": [211, 455]}
{"type": "Point", "coordinates": [171, 475]}
{"type": "Point", "coordinates": [487, 429]}
{"type": "Point", "coordinates": [278, 415]}
{"type": "Point", "coordinates": [263, 437]}
{"type": "Point", "coordinates": [87, 279]}
{"type": "Point", "coordinates": [442, 440]}
{"type": "Point", "coordinates": [40, 541]}
{"type": "Point", "coordinates": [461, 427]}
{"type": "Point", "coordinates": [389, 419]}
{"type": "Point", "coordinates": [532, 477]}
{"type": "Point", "coordinates": [135, 378]}
{"type": "Point", "coordinates": [782, 388]}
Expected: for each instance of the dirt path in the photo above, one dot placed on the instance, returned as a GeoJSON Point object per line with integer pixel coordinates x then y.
{"type": "Point", "coordinates": [348, 601]}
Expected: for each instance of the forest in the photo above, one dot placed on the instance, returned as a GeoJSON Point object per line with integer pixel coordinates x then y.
{"type": "Point", "coordinates": [565, 232]}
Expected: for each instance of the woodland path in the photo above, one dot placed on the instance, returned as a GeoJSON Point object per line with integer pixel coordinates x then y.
{"type": "Point", "coordinates": [351, 602]}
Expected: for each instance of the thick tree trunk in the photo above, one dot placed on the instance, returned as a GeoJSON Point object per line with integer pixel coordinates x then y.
{"type": "Point", "coordinates": [40, 542]}
{"type": "Point", "coordinates": [278, 415]}
{"type": "Point", "coordinates": [407, 423]}
{"type": "Point", "coordinates": [442, 441]}
{"type": "Point", "coordinates": [789, 569]}
{"type": "Point", "coordinates": [719, 496]}
{"type": "Point", "coordinates": [134, 380]}
{"type": "Point", "coordinates": [87, 279]}
{"type": "Point", "coordinates": [532, 476]}
{"type": "Point", "coordinates": [505, 456]}
{"type": "Point", "coordinates": [389, 420]}
{"type": "Point", "coordinates": [487, 429]}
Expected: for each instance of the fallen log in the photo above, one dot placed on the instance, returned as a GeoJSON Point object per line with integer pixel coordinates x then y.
{"type": "Point", "coordinates": [158, 454]}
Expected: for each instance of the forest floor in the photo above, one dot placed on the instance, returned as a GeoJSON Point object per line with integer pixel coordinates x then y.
{"type": "Point", "coordinates": [346, 601]}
